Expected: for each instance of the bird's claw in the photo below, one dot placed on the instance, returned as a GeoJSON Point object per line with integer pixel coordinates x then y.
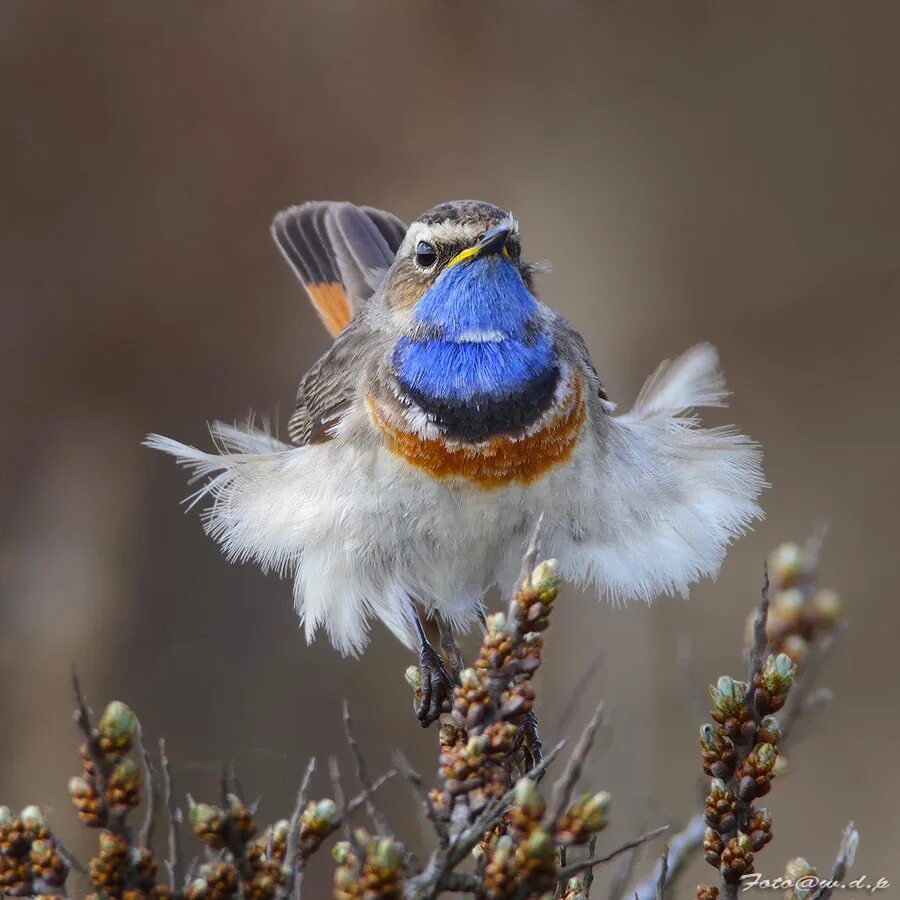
{"type": "Point", "coordinates": [437, 686]}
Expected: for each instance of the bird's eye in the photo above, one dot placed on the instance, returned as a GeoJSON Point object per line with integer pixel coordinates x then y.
{"type": "Point", "coordinates": [426, 255]}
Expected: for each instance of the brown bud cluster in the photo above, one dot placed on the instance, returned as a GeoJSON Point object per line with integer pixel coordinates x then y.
{"type": "Point", "coordinates": [374, 872]}
{"type": "Point", "coordinates": [109, 868]}
{"type": "Point", "coordinates": [759, 828]}
{"type": "Point", "coordinates": [720, 811]}
{"type": "Point", "coordinates": [526, 857]}
{"type": "Point", "coordinates": [583, 819]}
{"type": "Point", "coordinates": [575, 889]}
{"type": "Point", "coordinates": [717, 752]}
{"type": "Point", "coordinates": [737, 859]}
{"type": "Point", "coordinates": [319, 820]}
{"type": "Point", "coordinates": [707, 892]}
{"type": "Point", "coordinates": [483, 751]}
{"type": "Point", "coordinates": [30, 860]}
{"type": "Point", "coordinates": [118, 786]}
{"type": "Point", "coordinates": [740, 750]}
{"type": "Point", "coordinates": [216, 881]}
{"type": "Point", "coordinates": [799, 613]}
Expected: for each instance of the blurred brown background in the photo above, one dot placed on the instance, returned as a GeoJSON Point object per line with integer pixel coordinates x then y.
{"type": "Point", "coordinates": [726, 172]}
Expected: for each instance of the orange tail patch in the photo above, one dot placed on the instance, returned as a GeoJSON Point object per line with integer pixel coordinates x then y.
{"type": "Point", "coordinates": [331, 304]}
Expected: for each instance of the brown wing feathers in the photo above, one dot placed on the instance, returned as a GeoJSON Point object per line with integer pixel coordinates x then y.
{"type": "Point", "coordinates": [339, 251]}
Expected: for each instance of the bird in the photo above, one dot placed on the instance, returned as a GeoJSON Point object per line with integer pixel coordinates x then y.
{"type": "Point", "coordinates": [453, 410]}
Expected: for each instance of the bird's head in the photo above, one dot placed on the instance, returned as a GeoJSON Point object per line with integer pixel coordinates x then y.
{"type": "Point", "coordinates": [472, 333]}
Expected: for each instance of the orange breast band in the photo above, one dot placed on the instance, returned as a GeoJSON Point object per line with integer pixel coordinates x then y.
{"type": "Point", "coordinates": [497, 461]}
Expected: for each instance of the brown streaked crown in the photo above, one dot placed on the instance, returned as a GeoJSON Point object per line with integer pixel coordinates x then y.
{"type": "Point", "coordinates": [465, 212]}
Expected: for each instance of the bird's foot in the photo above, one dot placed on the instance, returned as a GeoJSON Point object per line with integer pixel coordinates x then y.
{"type": "Point", "coordinates": [436, 686]}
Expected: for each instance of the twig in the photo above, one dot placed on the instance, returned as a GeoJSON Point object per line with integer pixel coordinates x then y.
{"type": "Point", "coordinates": [234, 843]}
{"type": "Point", "coordinates": [589, 875]}
{"type": "Point", "coordinates": [469, 837]}
{"type": "Point", "coordinates": [842, 864]}
{"type": "Point", "coordinates": [234, 783]}
{"type": "Point", "coordinates": [579, 867]}
{"type": "Point", "coordinates": [577, 692]}
{"type": "Point", "coordinates": [418, 787]}
{"type": "Point", "coordinates": [529, 557]}
{"type": "Point", "coordinates": [363, 796]}
{"type": "Point", "coordinates": [803, 687]}
{"type": "Point", "coordinates": [681, 849]}
{"type": "Point", "coordinates": [760, 633]}
{"type": "Point", "coordinates": [145, 838]}
{"type": "Point", "coordinates": [73, 861]}
{"type": "Point", "coordinates": [663, 873]}
{"type": "Point", "coordinates": [292, 845]}
{"type": "Point", "coordinates": [175, 861]}
{"type": "Point", "coordinates": [362, 774]}
{"type": "Point", "coordinates": [334, 775]}
{"type": "Point", "coordinates": [564, 787]}
{"type": "Point", "coordinates": [102, 767]}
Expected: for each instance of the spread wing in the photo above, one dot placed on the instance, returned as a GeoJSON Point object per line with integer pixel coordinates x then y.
{"type": "Point", "coordinates": [339, 252]}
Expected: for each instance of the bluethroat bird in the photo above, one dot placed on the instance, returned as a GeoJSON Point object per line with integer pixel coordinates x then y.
{"type": "Point", "coordinates": [452, 410]}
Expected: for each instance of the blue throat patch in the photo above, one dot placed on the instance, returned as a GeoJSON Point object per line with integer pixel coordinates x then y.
{"type": "Point", "coordinates": [484, 367]}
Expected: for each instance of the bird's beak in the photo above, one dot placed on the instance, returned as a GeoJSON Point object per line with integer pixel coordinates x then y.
{"type": "Point", "coordinates": [492, 241]}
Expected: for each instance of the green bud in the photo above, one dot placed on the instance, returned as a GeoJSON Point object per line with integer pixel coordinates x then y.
{"type": "Point", "coordinates": [786, 563]}
{"type": "Point", "coordinates": [717, 788]}
{"type": "Point", "coordinates": [386, 854]}
{"type": "Point", "coordinates": [280, 831]}
{"type": "Point", "coordinates": [32, 817]}
{"type": "Point", "coordinates": [788, 604]}
{"type": "Point", "coordinates": [778, 673]}
{"type": "Point", "coordinates": [117, 721]}
{"type": "Point", "coordinates": [529, 797]}
{"type": "Point", "coordinates": [470, 679]}
{"type": "Point", "coordinates": [496, 623]}
{"type": "Point", "coordinates": [596, 811]}
{"type": "Point", "coordinates": [827, 606]}
{"type": "Point", "coordinates": [765, 756]}
{"type": "Point", "coordinates": [342, 852]}
{"type": "Point", "coordinates": [344, 879]}
{"type": "Point", "coordinates": [540, 845]}
{"type": "Point", "coordinates": [126, 771]}
{"type": "Point", "coordinates": [798, 868]}
{"type": "Point", "coordinates": [476, 745]}
{"type": "Point", "coordinates": [504, 849]}
{"type": "Point", "coordinates": [545, 578]}
{"type": "Point", "coordinates": [78, 787]}
{"type": "Point", "coordinates": [203, 815]}
{"type": "Point", "coordinates": [109, 843]}
{"type": "Point", "coordinates": [728, 694]}
{"type": "Point", "coordinates": [707, 736]}
{"type": "Point", "coordinates": [40, 847]}
{"type": "Point", "coordinates": [326, 810]}
{"type": "Point", "coordinates": [743, 841]}
{"type": "Point", "coordinates": [413, 676]}
{"type": "Point", "coordinates": [199, 887]}
{"type": "Point", "coordinates": [769, 730]}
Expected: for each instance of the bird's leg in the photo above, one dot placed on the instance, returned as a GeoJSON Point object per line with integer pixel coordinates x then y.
{"type": "Point", "coordinates": [451, 649]}
{"type": "Point", "coordinates": [437, 685]}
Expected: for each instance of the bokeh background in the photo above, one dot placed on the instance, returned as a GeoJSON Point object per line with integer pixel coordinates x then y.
{"type": "Point", "coordinates": [694, 171]}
